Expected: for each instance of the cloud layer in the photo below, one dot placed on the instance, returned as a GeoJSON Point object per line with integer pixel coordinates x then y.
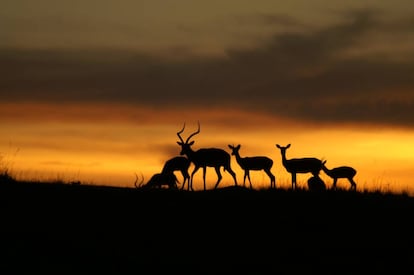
{"type": "Point", "coordinates": [348, 72]}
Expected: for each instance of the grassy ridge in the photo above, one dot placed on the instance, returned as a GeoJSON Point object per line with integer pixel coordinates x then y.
{"type": "Point", "coordinates": [99, 229]}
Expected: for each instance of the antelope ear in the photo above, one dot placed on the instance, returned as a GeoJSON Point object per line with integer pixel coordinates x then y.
{"type": "Point", "coordinates": [288, 146]}
{"type": "Point", "coordinates": [179, 143]}
{"type": "Point", "coordinates": [191, 143]}
{"type": "Point", "coordinates": [231, 147]}
{"type": "Point", "coordinates": [238, 146]}
{"type": "Point", "coordinates": [278, 146]}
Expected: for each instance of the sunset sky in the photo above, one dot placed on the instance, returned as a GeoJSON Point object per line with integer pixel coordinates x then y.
{"type": "Point", "coordinates": [96, 90]}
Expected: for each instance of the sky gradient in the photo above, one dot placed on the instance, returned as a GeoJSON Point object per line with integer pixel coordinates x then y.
{"type": "Point", "coordinates": [96, 90]}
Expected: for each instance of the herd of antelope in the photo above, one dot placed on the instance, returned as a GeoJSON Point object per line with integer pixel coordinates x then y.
{"type": "Point", "coordinates": [217, 158]}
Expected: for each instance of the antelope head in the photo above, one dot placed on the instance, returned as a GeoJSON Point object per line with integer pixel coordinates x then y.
{"type": "Point", "coordinates": [186, 145]}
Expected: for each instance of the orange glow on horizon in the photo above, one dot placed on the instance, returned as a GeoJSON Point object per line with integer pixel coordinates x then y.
{"type": "Point", "coordinates": [110, 152]}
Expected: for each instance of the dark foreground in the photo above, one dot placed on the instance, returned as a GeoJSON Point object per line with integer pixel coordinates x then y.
{"type": "Point", "coordinates": [64, 229]}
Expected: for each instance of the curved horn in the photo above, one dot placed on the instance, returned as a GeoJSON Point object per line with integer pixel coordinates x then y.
{"type": "Point", "coordinates": [179, 132]}
{"type": "Point", "coordinates": [195, 133]}
{"type": "Point", "coordinates": [136, 180]}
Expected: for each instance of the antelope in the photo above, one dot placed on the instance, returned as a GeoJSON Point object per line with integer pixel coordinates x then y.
{"type": "Point", "coordinates": [340, 172]}
{"type": "Point", "coordinates": [158, 180]}
{"type": "Point", "coordinates": [315, 183]}
{"type": "Point", "coordinates": [205, 157]}
{"type": "Point", "coordinates": [253, 163]}
{"type": "Point", "coordinates": [178, 164]}
{"type": "Point", "coordinates": [299, 165]}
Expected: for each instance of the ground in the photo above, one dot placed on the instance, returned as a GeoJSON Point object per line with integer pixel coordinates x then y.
{"type": "Point", "coordinates": [77, 229]}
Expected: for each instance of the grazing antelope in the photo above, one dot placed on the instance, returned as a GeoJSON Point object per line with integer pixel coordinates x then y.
{"type": "Point", "coordinates": [205, 157]}
{"type": "Point", "coordinates": [315, 183]}
{"type": "Point", "coordinates": [178, 164]}
{"type": "Point", "coordinates": [299, 165]}
{"type": "Point", "coordinates": [340, 172]}
{"type": "Point", "coordinates": [253, 163]}
{"type": "Point", "coordinates": [158, 181]}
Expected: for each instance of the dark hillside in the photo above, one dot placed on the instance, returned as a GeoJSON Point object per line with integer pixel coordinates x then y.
{"type": "Point", "coordinates": [80, 229]}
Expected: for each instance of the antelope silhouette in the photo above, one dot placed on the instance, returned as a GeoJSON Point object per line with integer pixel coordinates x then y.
{"type": "Point", "coordinates": [158, 180]}
{"type": "Point", "coordinates": [315, 183]}
{"type": "Point", "coordinates": [336, 173]}
{"type": "Point", "coordinates": [253, 163]}
{"type": "Point", "coordinates": [178, 163]}
{"type": "Point", "coordinates": [299, 165]}
{"type": "Point", "coordinates": [205, 157]}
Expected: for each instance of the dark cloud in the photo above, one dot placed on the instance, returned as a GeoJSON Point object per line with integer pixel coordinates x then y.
{"type": "Point", "coordinates": [301, 75]}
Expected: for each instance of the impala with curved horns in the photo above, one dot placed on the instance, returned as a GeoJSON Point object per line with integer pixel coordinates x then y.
{"type": "Point", "coordinates": [158, 180]}
{"type": "Point", "coordinates": [205, 157]}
